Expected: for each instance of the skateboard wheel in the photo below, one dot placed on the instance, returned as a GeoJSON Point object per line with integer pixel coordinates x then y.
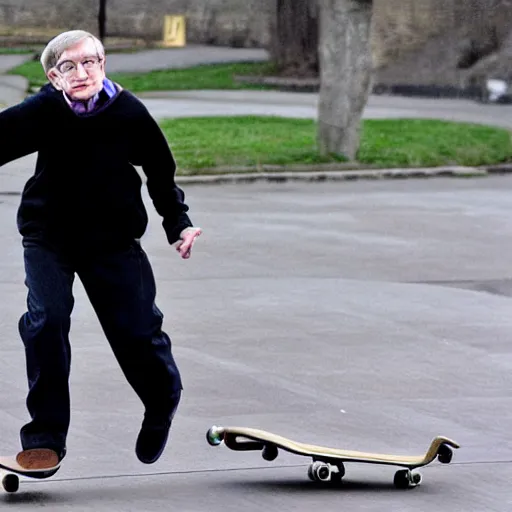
{"type": "Point", "coordinates": [416, 479]}
{"type": "Point", "coordinates": [402, 479]}
{"type": "Point", "coordinates": [269, 452]}
{"type": "Point", "coordinates": [214, 436]}
{"type": "Point", "coordinates": [324, 473]}
{"type": "Point", "coordinates": [445, 454]}
{"type": "Point", "coordinates": [406, 478]}
{"type": "Point", "coordinates": [10, 483]}
{"type": "Point", "coordinates": [320, 471]}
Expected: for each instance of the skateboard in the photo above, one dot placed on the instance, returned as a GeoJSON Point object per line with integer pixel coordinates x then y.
{"type": "Point", "coordinates": [328, 463]}
{"type": "Point", "coordinates": [36, 464]}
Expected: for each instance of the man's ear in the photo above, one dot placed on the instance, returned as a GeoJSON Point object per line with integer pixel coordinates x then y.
{"type": "Point", "coordinates": [54, 79]}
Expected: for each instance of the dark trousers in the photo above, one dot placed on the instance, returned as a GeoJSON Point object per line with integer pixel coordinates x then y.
{"type": "Point", "coordinates": [121, 287]}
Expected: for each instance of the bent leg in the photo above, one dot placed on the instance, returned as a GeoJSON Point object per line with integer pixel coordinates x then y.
{"type": "Point", "coordinates": [121, 288]}
{"type": "Point", "coordinates": [44, 329]}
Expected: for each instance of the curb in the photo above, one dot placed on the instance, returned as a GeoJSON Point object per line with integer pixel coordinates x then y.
{"type": "Point", "coordinates": [347, 175]}
{"type": "Point", "coordinates": [341, 175]}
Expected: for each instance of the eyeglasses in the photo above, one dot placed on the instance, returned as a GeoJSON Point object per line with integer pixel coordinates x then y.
{"type": "Point", "coordinates": [69, 67]}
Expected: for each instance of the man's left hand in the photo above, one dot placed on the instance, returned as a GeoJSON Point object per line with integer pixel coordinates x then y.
{"type": "Point", "coordinates": [187, 238]}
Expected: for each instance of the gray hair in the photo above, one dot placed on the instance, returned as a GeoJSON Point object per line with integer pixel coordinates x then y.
{"type": "Point", "coordinates": [59, 44]}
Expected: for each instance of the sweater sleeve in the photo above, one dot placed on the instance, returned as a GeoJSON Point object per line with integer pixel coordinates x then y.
{"type": "Point", "coordinates": [159, 166]}
{"type": "Point", "coordinates": [19, 130]}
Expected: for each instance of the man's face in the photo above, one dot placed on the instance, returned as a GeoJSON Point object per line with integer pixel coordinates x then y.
{"type": "Point", "coordinates": [80, 71]}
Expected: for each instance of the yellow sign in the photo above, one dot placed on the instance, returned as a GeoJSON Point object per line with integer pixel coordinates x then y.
{"type": "Point", "coordinates": [174, 31]}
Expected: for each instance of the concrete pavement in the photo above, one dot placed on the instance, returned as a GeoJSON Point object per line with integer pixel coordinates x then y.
{"type": "Point", "coordinates": [12, 88]}
{"type": "Point", "coordinates": [175, 58]}
{"type": "Point", "coordinates": [8, 62]}
{"type": "Point", "coordinates": [305, 105]}
{"type": "Point", "coordinates": [365, 315]}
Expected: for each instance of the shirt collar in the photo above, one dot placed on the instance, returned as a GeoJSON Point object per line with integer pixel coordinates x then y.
{"type": "Point", "coordinates": [85, 107]}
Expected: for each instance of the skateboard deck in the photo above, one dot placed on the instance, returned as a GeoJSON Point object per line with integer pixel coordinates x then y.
{"type": "Point", "coordinates": [328, 463]}
{"type": "Point", "coordinates": [37, 464]}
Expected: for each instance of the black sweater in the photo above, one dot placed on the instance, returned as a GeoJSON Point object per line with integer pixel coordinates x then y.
{"type": "Point", "coordinates": [85, 187]}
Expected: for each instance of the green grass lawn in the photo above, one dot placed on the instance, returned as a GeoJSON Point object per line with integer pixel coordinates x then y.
{"type": "Point", "coordinates": [200, 143]}
{"type": "Point", "coordinates": [215, 76]}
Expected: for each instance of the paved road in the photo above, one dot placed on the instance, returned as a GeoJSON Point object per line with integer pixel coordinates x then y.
{"type": "Point", "coordinates": [304, 105]}
{"type": "Point", "coordinates": [12, 88]}
{"type": "Point", "coordinates": [8, 62]}
{"type": "Point", "coordinates": [191, 55]}
{"type": "Point", "coordinates": [366, 315]}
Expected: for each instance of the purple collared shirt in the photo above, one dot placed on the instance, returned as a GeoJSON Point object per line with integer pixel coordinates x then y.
{"type": "Point", "coordinates": [86, 107]}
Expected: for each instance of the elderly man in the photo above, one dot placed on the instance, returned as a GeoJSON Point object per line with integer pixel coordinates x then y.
{"type": "Point", "coordinates": [82, 213]}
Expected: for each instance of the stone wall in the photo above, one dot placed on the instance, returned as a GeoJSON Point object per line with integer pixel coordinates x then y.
{"type": "Point", "coordinates": [442, 42]}
{"type": "Point", "coordinates": [405, 25]}
{"type": "Point", "coordinates": [222, 22]}
{"type": "Point", "coordinates": [400, 25]}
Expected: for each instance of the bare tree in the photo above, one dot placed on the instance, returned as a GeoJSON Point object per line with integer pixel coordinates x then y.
{"type": "Point", "coordinates": [294, 45]}
{"type": "Point", "coordinates": [102, 20]}
{"type": "Point", "coordinates": [345, 73]}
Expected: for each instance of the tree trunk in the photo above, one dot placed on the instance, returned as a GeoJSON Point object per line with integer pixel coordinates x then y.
{"type": "Point", "coordinates": [345, 74]}
{"type": "Point", "coordinates": [294, 46]}
{"type": "Point", "coordinates": [102, 20]}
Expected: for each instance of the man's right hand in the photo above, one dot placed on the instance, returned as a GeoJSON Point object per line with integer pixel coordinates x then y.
{"type": "Point", "coordinates": [187, 238]}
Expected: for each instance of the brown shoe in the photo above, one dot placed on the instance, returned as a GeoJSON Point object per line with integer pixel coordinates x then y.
{"type": "Point", "coordinates": [37, 458]}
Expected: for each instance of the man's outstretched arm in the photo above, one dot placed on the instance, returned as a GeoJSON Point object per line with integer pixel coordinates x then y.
{"type": "Point", "coordinates": [159, 166]}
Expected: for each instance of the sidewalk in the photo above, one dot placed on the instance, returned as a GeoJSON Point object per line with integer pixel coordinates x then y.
{"type": "Point", "coordinates": [12, 88]}
{"type": "Point", "coordinates": [175, 58]}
